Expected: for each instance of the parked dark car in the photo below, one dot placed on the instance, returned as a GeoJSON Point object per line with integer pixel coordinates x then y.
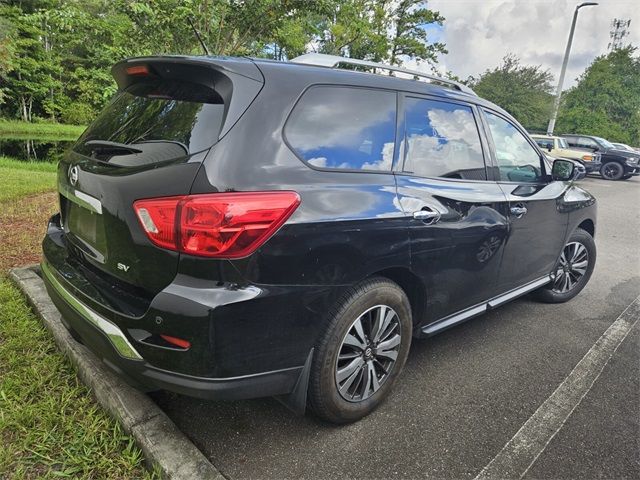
{"type": "Point", "coordinates": [233, 228]}
{"type": "Point", "coordinates": [617, 163]}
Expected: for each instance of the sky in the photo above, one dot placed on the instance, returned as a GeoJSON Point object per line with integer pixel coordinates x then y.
{"type": "Point", "coordinates": [479, 33]}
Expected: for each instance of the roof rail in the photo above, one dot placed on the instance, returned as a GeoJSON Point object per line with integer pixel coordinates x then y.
{"type": "Point", "coordinates": [332, 61]}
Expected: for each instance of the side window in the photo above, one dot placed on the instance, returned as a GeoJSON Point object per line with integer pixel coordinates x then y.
{"type": "Point", "coordinates": [585, 142]}
{"type": "Point", "coordinates": [572, 141]}
{"type": "Point", "coordinates": [344, 128]}
{"type": "Point", "coordinates": [442, 140]}
{"type": "Point", "coordinates": [545, 143]}
{"type": "Point", "coordinates": [517, 160]}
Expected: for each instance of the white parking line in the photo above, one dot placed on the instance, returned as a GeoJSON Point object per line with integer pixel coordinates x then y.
{"type": "Point", "coordinates": [520, 453]}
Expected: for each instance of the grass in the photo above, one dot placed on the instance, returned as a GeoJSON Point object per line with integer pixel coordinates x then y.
{"type": "Point", "coordinates": [50, 426]}
{"type": "Point", "coordinates": [43, 131]}
{"type": "Point", "coordinates": [20, 178]}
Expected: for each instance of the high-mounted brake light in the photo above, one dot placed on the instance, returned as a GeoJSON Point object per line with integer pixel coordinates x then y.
{"type": "Point", "coordinates": [223, 225]}
{"type": "Point", "coordinates": [138, 70]}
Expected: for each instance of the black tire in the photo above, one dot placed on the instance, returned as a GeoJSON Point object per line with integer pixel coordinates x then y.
{"type": "Point", "coordinates": [611, 171]}
{"type": "Point", "coordinates": [360, 304]}
{"type": "Point", "coordinates": [554, 291]}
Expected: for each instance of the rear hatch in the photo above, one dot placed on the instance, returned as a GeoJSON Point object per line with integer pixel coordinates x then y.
{"type": "Point", "coordinates": [148, 142]}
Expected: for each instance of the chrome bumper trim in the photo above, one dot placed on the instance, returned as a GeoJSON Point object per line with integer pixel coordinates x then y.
{"type": "Point", "coordinates": [112, 332]}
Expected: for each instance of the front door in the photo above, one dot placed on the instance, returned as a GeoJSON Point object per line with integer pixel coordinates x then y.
{"type": "Point", "coordinates": [456, 216]}
{"type": "Point", "coordinates": [537, 227]}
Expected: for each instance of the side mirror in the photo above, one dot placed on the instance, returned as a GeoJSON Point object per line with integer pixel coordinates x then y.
{"type": "Point", "coordinates": [567, 170]}
{"type": "Point", "coordinates": [549, 148]}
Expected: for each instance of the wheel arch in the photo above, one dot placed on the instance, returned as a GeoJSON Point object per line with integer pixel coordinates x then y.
{"type": "Point", "coordinates": [412, 286]}
{"type": "Point", "coordinates": [588, 226]}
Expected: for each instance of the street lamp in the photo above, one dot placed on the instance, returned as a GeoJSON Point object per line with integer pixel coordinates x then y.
{"type": "Point", "coordinates": [556, 102]}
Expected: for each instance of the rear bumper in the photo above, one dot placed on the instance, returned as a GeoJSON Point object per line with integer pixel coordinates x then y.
{"type": "Point", "coordinates": [110, 343]}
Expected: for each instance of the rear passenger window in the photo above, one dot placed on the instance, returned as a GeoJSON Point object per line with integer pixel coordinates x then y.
{"type": "Point", "coordinates": [442, 140]}
{"type": "Point", "coordinates": [344, 128]}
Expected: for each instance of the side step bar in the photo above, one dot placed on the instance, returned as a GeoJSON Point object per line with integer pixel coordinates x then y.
{"type": "Point", "coordinates": [464, 315]}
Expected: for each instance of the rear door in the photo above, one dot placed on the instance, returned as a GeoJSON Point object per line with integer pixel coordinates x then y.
{"type": "Point", "coordinates": [537, 226]}
{"type": "Point", "coordinates": [456, 216]}
{"type": "Point", "coordinates": [148, 142]}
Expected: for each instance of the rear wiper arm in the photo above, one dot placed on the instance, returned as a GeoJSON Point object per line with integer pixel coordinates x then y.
{"type": "Point", "coordinates": [107, 146]}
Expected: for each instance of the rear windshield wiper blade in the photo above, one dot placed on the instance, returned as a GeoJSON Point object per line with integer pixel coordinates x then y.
{"type": "Point", "coordinates": [107, 146]}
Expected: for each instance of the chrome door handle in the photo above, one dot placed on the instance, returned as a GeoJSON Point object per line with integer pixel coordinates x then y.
{"type": "Point", "coordinates": [427, 216]}
{"type": "Point", "coordinates": [518, 211]}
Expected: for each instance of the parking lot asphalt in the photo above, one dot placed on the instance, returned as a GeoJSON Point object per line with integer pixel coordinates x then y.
{"type": "Point", "coordinates": [466, 392]}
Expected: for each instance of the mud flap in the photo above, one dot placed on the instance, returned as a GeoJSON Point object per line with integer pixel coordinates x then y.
{"type": "Point", "coordinates": [296, 401]}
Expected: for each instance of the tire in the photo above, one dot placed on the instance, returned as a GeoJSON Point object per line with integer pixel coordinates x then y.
{"type": "Point", "coordinates": [579, 248]}
{"type": "Point", "coordinates": [612, 171]}
{"type": "Point", "coordinates": [356, 315]}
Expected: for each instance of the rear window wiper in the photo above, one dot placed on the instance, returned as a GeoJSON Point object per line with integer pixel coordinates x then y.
{"type": "Point", "coordinates": [103, 146]}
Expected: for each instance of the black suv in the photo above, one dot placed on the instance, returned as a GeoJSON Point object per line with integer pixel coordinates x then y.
{"type": "Point", "coordinates": [617, 163]}
{"type": "Point", "coordinates": [233, 228]}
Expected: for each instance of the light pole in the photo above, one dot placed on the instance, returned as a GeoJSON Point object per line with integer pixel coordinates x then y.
{"type": "Point", "coordinates": [556, 102]}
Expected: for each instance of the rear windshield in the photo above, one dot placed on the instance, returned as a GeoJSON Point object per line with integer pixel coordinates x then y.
{"type": "Point", "coordinates": [154, 122]}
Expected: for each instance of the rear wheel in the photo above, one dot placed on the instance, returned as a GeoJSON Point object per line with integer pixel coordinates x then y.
{"type": "Point", "coordinates": [362, 352]}
{"type": "Point", "coordinates": [573, 270]}
{"type": "Point", "coordinates": [612, 171]}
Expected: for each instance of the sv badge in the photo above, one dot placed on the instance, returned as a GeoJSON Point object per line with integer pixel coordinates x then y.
{"type": "Point", "coordinates": [123, 267]}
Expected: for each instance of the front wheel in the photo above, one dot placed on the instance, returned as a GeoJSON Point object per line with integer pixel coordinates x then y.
{"type": "Point", "coordinates": [362, 352]}
{"type": "Point", "coordinates": [612, 171]}
{"type": "Point", "coordinates": [573, 269]}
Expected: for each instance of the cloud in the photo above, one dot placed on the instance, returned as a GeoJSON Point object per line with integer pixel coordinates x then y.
{"type": "Point", "coordinates": [479, 33]}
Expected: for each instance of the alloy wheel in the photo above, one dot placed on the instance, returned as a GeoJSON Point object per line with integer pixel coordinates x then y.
{"type": "Point", "coordinates": [368, 353]}
{"type": "Point", "coordinates": [611, 170]}
{"type": "Point", "coordinates": [572, 266]}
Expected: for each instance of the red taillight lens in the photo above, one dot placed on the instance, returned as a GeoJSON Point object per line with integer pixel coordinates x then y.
{"type": "Point", "coordinates": [158, 218]}
{"type": "Point", "coordinates": [225, 225]}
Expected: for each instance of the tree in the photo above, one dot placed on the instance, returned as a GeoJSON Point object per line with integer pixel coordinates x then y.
{"type": "Point", "coordinates": [56, 55]}
{"type": "Point", "coordinates": [522, 90]}
{"type": "Point", "coordinates": [32, 72]}
{"type": "Point", "coordinates": [380, 30]}
{"type": "Point", "coordinates": [606, 100]}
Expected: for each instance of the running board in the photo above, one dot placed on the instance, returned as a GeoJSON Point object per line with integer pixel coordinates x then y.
{"type": "Point", "coordinates": [464, 315]}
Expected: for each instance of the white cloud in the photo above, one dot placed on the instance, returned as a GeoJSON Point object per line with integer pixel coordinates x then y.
{"type": "Point", "coordinates": [479, 33]}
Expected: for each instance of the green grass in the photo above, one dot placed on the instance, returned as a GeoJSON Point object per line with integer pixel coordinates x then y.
{"type": "Point", "coordinates": [20, 178]}
{"type": "Point", "coordinates": [50, 426]}
{"type": "Point", "coordinates": [41, 131]}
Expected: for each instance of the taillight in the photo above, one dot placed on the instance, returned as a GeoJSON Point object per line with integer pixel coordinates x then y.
{"type": "Point", "coordinates": [224, 225]}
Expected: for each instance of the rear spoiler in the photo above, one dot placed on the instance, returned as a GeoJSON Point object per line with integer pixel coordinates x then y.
{"type": "Point", "coordinates": [236, 80]}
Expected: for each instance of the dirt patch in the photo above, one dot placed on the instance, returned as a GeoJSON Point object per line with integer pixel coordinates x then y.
{"type": "Point", "coordinates": [22, 226]}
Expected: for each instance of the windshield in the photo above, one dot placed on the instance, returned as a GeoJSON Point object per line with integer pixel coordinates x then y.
{"type": "Point", "coordinates": [150, 123]}
{"type": "Point", "coordinates": [604, 143]}
{"type": "Point", "coordinates": [563, 143]}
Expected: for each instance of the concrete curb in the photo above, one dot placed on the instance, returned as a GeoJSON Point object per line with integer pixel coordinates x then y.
{"type": "Point", "coordinates": [165, 447]}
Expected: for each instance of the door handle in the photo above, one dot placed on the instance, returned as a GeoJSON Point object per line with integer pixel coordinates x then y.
{"type": "Point", "coordinates": [518, 211]}
{"type": "Point", "coordinates": [427, 215]}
